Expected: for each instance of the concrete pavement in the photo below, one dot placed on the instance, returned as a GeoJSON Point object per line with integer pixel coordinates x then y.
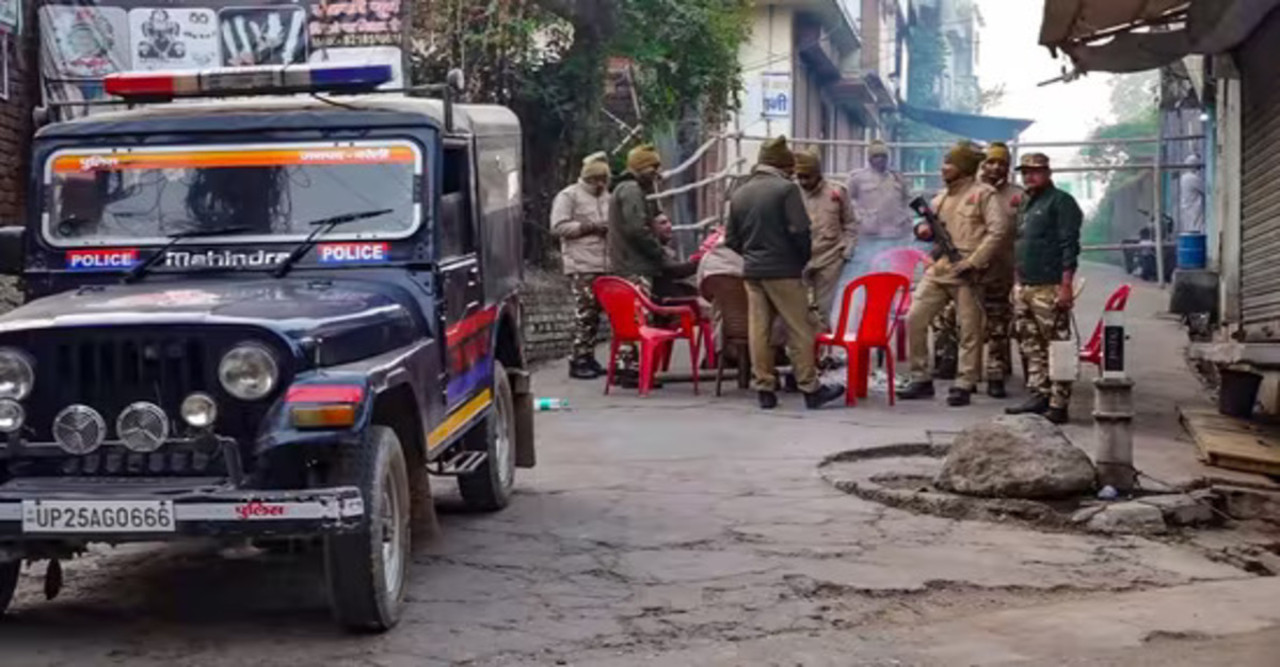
{"type": "Point", "coordinates": [678, 530]}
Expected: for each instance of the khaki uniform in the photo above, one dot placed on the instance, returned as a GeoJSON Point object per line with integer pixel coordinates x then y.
{"type": "Point", "coordinates": [997, 302]}
{"type": "Point", "coordinates": [978, 222]}
{"type": "Point", "coordinates": [835, 233]}
{"type": "Point", "coordinates": [576, 215]}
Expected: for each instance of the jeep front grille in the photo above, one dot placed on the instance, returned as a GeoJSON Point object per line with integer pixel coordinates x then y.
{"type": "Point", "coordinates": [110, 368]}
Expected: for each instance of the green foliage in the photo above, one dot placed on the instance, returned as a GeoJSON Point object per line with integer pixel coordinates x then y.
{"type": "Point", "coordinates": [547, 60]}
{"type": "Point", "coordinates": [685, 54]}
{"type": "Point", "coordinates": [1133, 103]}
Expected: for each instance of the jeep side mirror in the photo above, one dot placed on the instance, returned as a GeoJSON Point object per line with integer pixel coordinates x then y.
{"type": "Point", "coordinates": [12, 249]}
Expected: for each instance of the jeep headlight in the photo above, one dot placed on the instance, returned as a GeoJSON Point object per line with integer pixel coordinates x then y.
{"type": "Point", "coordinates": [248, 372]}
{"type": "Point", "coordinates": [16, 376]}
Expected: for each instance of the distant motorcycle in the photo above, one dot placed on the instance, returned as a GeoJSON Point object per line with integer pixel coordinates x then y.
{"type": "Point", "coordinates": [1141, 260]}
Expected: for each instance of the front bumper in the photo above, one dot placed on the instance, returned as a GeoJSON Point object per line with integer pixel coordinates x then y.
{"type": "Point", "coordinates": [201, 507]}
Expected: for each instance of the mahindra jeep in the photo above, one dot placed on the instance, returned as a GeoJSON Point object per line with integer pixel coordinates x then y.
{"type": "Point", "coordinates": [267, 316]}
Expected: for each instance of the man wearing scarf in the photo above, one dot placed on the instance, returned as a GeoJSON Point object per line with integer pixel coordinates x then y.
{"type": "Point", "coordinates": [580, 219]}
{"type": "Point", "coordinates": [634, 251]}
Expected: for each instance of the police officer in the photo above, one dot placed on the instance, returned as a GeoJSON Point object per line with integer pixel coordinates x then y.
{"type": "Point", "coordinates": [1047, 252]}
{"type": "Point", "coordinates": [834, 230]}
{"type": "Point", "coordinates": [978, 224]}
{"type": "Point", "coordinates": [634, 251]}
{"type": "Point", "coordinates": [580, 219]}
{"type": "Point", "coordinates": [997, 288]}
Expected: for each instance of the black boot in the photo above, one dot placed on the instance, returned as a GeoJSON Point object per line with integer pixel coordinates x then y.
{"type": "Point", "coordinates": [768, 400]}
{"type": "Point", "coordinates": [995, 389]}
{"type": "Point", "coordinates": [581, 369]}
{"type": "Point", "coordinates": [600, 370]}
{"type": "Point", "coordinates": [823, 395]}
{"type": "Point", "coordinates": [1057, 415]}
{"type": "Point", "coordinates": [1038, 404]}
{"type": "Point", "coordinates": [916, 390]}
{"type": "Point", "coordinates": [958, 398]}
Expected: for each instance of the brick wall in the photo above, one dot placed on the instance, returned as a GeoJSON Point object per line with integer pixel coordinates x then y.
{"type": "Point", "coordinates": [548, 316]}
{"type": "Point", "coordinates": [15, 116]}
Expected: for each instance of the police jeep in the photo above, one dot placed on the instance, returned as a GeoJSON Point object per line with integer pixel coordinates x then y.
{"type": "Point", "coordinates": [264, 317]}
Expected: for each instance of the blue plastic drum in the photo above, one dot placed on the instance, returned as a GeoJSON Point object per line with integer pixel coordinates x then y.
{"type": "Point", "coordinates": [1191, 251]}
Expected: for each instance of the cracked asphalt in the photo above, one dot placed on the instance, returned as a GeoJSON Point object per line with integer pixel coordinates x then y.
{"type": "Point", "coordinates": [679, 530]}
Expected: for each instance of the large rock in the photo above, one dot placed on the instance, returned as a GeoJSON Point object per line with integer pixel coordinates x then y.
{"type": "Point", "coordinates": [1016, 457]}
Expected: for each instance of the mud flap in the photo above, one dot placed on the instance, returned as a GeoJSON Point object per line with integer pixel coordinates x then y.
{"type": "Point", "coordinates": [522, 394]}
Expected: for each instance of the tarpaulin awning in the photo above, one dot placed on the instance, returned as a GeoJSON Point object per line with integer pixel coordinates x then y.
{"type": "Point", "coordinates": [971, 126]}
{"type": "Point", "coordinates": [1136, 35]}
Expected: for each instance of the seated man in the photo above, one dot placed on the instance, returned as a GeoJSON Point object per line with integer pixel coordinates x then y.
{"type": "Point", "coordinates": [677, 278]}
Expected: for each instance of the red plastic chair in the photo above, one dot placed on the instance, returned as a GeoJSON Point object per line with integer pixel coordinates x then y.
{"type": "Point", "coordinates": [904, 261]}
{"type": "Point", "coordinates": [1091, 353]}
{"type": "Point", "coordinates": [881, 312]}
{"type": "Point", "coordinates": [628, 309]}
{"type": "Point", "coordinates": [705, 326]}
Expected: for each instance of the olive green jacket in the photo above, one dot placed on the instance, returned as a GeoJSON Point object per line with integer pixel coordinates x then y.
{"type": "Point", "coordinates": [1048, 242]}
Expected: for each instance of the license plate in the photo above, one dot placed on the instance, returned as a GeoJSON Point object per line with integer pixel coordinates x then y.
{"type": "Point", "coordinates": [97, 516]}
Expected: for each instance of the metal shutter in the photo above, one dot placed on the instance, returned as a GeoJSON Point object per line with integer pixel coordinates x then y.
{"type": "Point", "coordinates": [1260, 183]}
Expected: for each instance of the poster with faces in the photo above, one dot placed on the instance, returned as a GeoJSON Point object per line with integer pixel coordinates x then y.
{"type": "Point", "coordinates": [173, 38]}
{"type": "Point", "coordinates": [273, 35]}
{"type": "Point", "coordinates": [85, 42]}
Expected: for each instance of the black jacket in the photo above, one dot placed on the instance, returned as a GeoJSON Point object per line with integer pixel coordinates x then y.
{"type": "Point", "coordinates": [768, 226]}
{"type": "Point", "coordinates": [633, 247]}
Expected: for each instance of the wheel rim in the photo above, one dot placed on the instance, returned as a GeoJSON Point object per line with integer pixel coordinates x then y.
{"type": "Point", "coordinates": [503, 451]}
{"type": "Point", "coordinates": [392, 529]}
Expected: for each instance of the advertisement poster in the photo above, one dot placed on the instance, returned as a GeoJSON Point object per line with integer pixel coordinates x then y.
{"type": "Point", "coordinates": [356, 23]}
{"type": "Point", "coordinates": [86, 42]}
{"type": "Point", "coordinates": [173, 38]}
{"type": "Point", "coordinates": [82, 41]}
{"type": "Point", "coordinates": [263, 36]}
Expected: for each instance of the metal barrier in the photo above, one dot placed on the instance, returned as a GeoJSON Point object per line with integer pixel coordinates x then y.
{"type": "Point", "coordinates": [725, 170]}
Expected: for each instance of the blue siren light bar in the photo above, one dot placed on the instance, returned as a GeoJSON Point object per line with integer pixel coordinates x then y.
{"type": "Point", "coordinates": [271, 79]}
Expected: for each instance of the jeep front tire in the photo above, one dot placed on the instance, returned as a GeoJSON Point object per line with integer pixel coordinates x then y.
{"type": "Point", "coordinates": [366, 570]}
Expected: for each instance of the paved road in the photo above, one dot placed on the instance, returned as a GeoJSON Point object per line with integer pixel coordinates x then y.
{"type": "Point", "coordinates": [680, 530]}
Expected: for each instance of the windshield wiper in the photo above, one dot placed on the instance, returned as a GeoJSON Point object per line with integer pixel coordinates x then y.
{"type": "Point", "coordinates": [137, 272]}
{"type": "Point", "coordinates": [322, 227]}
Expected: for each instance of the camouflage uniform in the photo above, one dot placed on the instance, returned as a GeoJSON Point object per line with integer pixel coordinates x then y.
{"type": "Point", "coordinates": [628, 355]}
{"type": "Point", "coordinates": [1047, 252]}
{"type": "Point", "coordinates": [579, 218]}
{"type": "Point", "coordinates": [1039, 322]}
{"type": "Point", "coordinates": [586, 314]}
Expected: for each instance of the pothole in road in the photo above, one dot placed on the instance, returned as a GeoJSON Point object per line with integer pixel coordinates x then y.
{"type": "Point", "coordinates": [902, 476]}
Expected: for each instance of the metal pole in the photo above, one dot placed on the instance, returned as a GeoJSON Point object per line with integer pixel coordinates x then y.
{"type": "Point", "coordinates": [1157, 208]}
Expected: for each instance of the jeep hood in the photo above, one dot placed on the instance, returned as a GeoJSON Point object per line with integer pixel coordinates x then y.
{"type": "Point", "coordinates": [294, 307]}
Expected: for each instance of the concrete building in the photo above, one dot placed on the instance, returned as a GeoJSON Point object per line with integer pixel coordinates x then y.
{"type": "Point", "coordinates": [822, 69]}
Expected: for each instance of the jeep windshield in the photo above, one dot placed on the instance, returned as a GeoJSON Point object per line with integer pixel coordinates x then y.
{"type": "Point", "coordinates": [141, 196]}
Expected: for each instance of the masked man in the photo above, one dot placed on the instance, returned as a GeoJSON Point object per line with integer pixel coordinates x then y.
{"type": "Point", "coordinates": [972, 215]}
{"type": "Point", "coordinates": [634, 251]}
{"type": "Point", "coordinates": [580, 219]}
{"type": "Point", "coordinates": [834, 230]}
